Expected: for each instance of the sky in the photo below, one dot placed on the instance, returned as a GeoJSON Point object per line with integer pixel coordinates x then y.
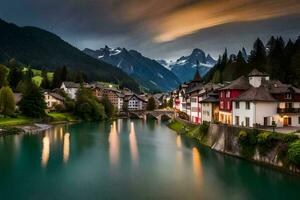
{"type": "Point", "coordinates": [160, 29]}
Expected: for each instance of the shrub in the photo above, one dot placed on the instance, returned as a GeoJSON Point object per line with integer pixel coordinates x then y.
{"type": "Point", "coordinates": [59, 107]}
{"type": "Point", "coordinates": [203, 128]}
{"type": "Point", "coordinates": [183, 115]}
{"type": "Point", "coordinates": [294, 152]}
{"type": "Point", "coordinates": [290, 137]}
{"type": "Point", "coordinates": [265, 142]}
{"type": "Point", "coordinates": [247, 142]}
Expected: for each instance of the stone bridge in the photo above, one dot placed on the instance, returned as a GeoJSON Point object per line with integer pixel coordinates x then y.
{"type": "Point", "coordinates": [156, 114]}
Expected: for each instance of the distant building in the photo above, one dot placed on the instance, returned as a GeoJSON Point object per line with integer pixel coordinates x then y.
{"type": "Point", "coordinates": [210, 107]}
{"type": "Point", "coordinates": [70, 88]}
{"type": "Point", "coordinates": [53, 99]}
{"type": "Point", "coordinates": [135, 102]}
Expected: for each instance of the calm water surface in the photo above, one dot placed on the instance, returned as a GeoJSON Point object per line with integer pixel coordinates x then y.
{"type": "Point", "coordinates": [129, 159]}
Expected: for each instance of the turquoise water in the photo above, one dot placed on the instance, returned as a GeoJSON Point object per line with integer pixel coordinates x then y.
{"type": "Point", "coordinates": [129, 159]}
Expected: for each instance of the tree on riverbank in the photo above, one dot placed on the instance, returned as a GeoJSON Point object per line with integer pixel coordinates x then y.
{"type": "Point", "coordinates": [3, 75]}
{"type": "Point", "coordinates": [7, 101]}
{"type": "Point", "coordinates": [108, 106]}
{"type": "Point", "coordinates": [87, 105]}
{"type": "Point", "coordinates": [32, 103]}
{"type": "Point", "coordinates": [151, 104]}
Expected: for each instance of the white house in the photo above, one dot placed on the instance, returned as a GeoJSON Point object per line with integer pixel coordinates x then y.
{"type": "Point", "coordinates": [256, 106]}
{"type": "Point", "coordinates": [53, 99]}
{"type": "Point", "coordinates": [70, 88]}
{"type": "Point", "coordinates": [135, 102]}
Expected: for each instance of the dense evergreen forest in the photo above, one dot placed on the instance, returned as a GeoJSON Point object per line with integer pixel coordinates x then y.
{"type": "Point", "coordinates": [280, 59]}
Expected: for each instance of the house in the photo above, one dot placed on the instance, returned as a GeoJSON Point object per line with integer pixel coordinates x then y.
{"type": "Point", "coordinates": [267, 102]}
{"type": "Point", "coordinates": [53, 99]}
{"type": "Point", "coordinates": [70, 88]}
{"type": "Point", "coordinates": [288, 107]}
{"type": "Point", "coordinates": [135, 102]}
{"type": "Point", "coordinates": [17, 97]}
{"type": "Point", "coordinates": [192, 101]}
{"type": "Point", "coordinates": [115, 97]}
{"type": "Point", "coordinates": [210, 107]}
{"type": "Point", "coordinates": [227, 94]}
{"type": "Point", "coordinates": [180, 101]}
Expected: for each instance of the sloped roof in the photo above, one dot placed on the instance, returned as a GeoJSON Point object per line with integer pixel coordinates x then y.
{"type": "Point", "coordinates": [56, 96]}
{"type": "Point", "coordinates": [276, 87]}
{"type": "Point", "coordinates": [210, 99]}
{"type": "Point", "coordinates": [128, 97]}
{"type": "Point", "coordinates": [240, 83]}
{"type": "Point", "coordinates": [261, 93]}
{"type": "Point", "coordinates": [71, 84]}
{"type": "Point", "coordinates": [255, 72]}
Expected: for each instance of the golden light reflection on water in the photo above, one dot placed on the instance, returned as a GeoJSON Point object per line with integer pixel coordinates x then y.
{"type": "Point", "coordinates": [179, 154]}
{"type": "Point", "coordinates": [45, 150]}
{"type": "Point", "coordinates": [178, 141]}
{"type": "Point", "coordinates": [114, 145]}
{"type": "Point", "coordinates": [197, 167]}
{"type": "Point", "coordinates": [133, 144]}
{"type": "Point", "coordinates": [66, 152]}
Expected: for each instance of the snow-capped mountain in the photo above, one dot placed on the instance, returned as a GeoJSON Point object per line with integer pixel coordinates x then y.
{"type": "Point", "coordinates": [185, 67]}
{"type": "Point", "coordinates": [149, 73]}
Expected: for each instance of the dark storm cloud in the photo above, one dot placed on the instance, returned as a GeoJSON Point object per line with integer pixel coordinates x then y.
{"type": "Point", "coordinates": [167, 28]}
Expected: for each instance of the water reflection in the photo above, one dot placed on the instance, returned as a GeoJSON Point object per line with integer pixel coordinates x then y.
{"type": "Point", "coordinates": [114, 145]}
{"type": "Point", "coordinates": [45, 150]}
{"type": "Point", "coordinates": [66, 153]}
{"type": "Point", "coordinates": [197, 167]}
{"type": "Point", "coordinates": [133, 144]}
{"type": "Point", "coordinates": [178, 141]}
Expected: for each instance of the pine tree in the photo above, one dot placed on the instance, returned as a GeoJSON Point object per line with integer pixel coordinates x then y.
{"type": "Point", "coordinates": [275, 60]}
{"type": "Point", "coordinates": [258, 56]}
{"type": "Point", "coordinates": [45, 82]}
{"type": "Point", "coordinates": [14, 77]}
{"type": "Point", "coordinates": [7, 101]}
{"type": "Point", "coordinates": [151, 105]}
{"type": "Point", "coordinates": [33, 103]}
{"type": "Point", "coordinates": [3, 75]}
{"type": "Point", "coordinates": [59, 76]}
{"type": "Point", "coordinates": [108, 106]}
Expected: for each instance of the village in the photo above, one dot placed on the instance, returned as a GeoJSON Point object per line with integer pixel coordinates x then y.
{"type": "Point", "coordinates": [254, 101]}
{"type": "Point", "coordinates": [122, 100]}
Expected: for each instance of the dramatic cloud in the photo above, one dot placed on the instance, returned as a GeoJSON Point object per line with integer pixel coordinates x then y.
{"type": "Point", "coordinates": [159, 28]}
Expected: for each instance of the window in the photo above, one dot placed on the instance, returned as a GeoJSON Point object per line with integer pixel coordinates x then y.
{"type": "Point", "coordinates": [228, 94]}
{"type": "Point", "coordinates": [247, 105]}
{"type": "Point", "coordinates": [221, 104]}
{"type": "Point", "coordinates": [288, 96]}
{"type": "Point", "coordinates": [221, 94]}
{"type": "Point", "coordinates": [228, 105]}
{"type": "Point", "coordinates": [298, 120]}
{"type": "Point", "coordinates": [237, 120]}
{"type": "Point", "coordinates": [247, 119]}
{"type": "Point", "coordinates": [237, 105]}
{"type": "Point", "coordinates": [288, 105]}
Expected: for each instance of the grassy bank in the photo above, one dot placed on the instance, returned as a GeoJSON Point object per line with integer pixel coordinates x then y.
{"type": "Point", "coordinates": [197, 132]}
{"type": "Point", "coordinates": [20, 120]}
{"type": "Point", "coordinates": [62, 117]}
{"type": "Point", "coordinates": [16, 121]}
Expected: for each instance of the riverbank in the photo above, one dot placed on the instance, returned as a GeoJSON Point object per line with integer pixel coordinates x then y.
{"type": "Point", "coordinates": [280, 151]}
{"type": "Point", "coordinates": [21, 124]}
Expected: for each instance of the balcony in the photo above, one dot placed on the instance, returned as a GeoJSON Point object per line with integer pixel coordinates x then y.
{"type": "Point", "coordinates": [288, 110]}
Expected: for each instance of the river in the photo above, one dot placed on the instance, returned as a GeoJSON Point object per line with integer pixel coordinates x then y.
{"type": "Point", "coordinates": [129, 159]}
